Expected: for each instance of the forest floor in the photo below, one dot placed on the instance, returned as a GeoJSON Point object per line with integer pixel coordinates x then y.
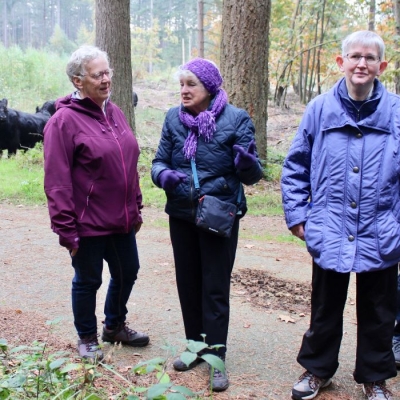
{"type": "Point", "coordinates": [270, 297]}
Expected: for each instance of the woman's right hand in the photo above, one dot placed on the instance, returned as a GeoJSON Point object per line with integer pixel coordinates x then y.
{"type": "Point", "coordinates": [72, 252]}
{"type": "Point", "coordinates": [169, 179]}
{"type": "Point", "coordinates": [298, 231]}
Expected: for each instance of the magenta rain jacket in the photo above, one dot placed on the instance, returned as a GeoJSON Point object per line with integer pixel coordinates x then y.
{"type": "Point", "coordinates": [91, 179]}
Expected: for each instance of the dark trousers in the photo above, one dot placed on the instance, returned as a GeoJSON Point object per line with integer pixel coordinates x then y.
{"type": "Point", "coordinates": [120, 252]}
{"type": "Point", "coordinates": [396, 335]}
{"type": "Point", "coordinates": [376, 312]}
{"type": "Point", "coordinates": [203, 265]}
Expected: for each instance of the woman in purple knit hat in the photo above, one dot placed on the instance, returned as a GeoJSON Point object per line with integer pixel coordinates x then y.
{"type": "Point", "coordinates": [219, 138]}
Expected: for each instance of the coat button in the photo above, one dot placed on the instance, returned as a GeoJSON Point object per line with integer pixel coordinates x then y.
{"type": "Point", "coordinates": [359, 135]}
{"type": "Point", "coordinates": [356, 170]}
{"type": "Point", "coordinates": [351, 238]}
{"type": "Point", "coordinates": [353, 204]}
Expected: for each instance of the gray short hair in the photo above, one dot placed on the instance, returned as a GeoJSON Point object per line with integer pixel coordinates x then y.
{"type": "Point", "coordinates": [364, 38]}
{"type": "Point", "coordinates": [79, 58]}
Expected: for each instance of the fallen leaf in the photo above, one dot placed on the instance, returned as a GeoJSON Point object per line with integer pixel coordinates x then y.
{"type": "Point", "coordinates": [287, 319]}
{"type": "Point", "coordinates": [124, 369]}
{"type": "Point", "coordinates": [248, 246]}
{"type": "Point", "coordinates": [246, 326]}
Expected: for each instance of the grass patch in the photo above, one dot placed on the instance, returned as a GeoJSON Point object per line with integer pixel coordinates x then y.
{"type": "Point", "coordinates": [262, 237]}
{"type": "Point", "coordinates": [21, 181]}
{"type": "Point", "coordinates": [21, 178]}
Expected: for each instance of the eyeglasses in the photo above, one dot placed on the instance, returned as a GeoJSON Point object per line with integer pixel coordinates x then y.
{"type": "Point", "coordinates": [355, 58]}
{"type": "Point", "coordinates": [98, 76]}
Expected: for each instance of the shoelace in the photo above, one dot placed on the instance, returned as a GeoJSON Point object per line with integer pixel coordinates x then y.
{"type": "Point", "coordinates": [396, 346]}
{"type": "Point", "coordinates": [379, 388]}
{"type": "Point", "coordinates": [129, 331]}
{"type": "Point", "coordinates": [92, 346]}
{"type": "Point", "coordinates": [91, 343]}
{"type": "Point", "coordinates": [313, 381]}
{"type": "Point", "coordinates": [218, 373]}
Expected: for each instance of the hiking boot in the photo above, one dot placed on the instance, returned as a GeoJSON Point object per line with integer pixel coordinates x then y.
{"type": "Point", "coordinates": [396, 352]}
{"type": "Point", "coordinates": [219, 381]}
{"type": "Point", "coordinates": [179, 365]}
{"type": "Point", "coordinates": [89, 348]}
{"type": "Point", "coordinates": [308, 385]}
{"type": "Point", "coordinates": [377, 391]}
{"type": "Point", "coordinates": [123, 334]}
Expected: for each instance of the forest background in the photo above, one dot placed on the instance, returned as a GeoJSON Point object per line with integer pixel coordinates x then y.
{"type": "Point", "coordinates": [304, 35]}
{"type": "Point", "coordinates": [37, 37]}
{"type": "Point", "coordinates": [297, 39]}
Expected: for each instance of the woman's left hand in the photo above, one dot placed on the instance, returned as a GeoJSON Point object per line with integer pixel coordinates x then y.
{"type": "Point", "coordinates": [245, 159]}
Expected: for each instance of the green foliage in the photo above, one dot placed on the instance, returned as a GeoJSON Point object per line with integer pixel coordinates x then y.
{"type": "Point", "coordinates": [59, 42]}
{"type": "Point", "coordinates": [35, 372]}
{"type": "Point", "coordinates": [21, 177]}
{"type": "Point", "coordinates": [32, 78]}
{"type": "Point", "coordinates": [32, 372]}
{"type": "Point", "coordinates": [146, 48]}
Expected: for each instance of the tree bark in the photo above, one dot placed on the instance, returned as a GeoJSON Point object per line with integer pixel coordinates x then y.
{"type": "Point", "coordinates": [114, 37]}
{"type": "Point", "coordinates": [200, 26]}
{"type": "Point", "coordinates": [244, 60]}
{"type": "Point", "coordinates": [372, 14]}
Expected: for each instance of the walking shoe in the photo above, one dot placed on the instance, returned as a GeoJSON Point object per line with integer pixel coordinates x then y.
{"type": "Point", "coordinates": [308, 385]}
{"type": "Point", "coordinates": [179, 365]}
{"type": "Point", "coordinates": [396, 352]}
{"type": "Point", "coordinates": [219, 381]}
{"type": "Point", "coordinates": [89, 348]}
{"type": "Point", "coordinates": [123, 334]}
{"type": "Point", "coordinates": [377, 391]}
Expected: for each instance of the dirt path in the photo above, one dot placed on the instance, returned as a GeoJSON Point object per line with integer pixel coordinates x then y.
{"type": "Point", "coordinates": [262, 348]}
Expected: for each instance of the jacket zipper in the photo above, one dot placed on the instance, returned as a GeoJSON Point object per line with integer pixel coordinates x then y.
{"type": "Point", "coordinates": [87, 201]}
{"type": "Point", "coordinates": [125, 176]}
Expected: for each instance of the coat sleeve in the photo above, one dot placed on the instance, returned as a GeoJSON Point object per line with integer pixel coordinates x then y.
{"type": "Point", "coordinates": [244, 135]}
{"type": "Point", "coordinates": [58, 160]}
{"type": "Point", "coordinates": [296, 172]}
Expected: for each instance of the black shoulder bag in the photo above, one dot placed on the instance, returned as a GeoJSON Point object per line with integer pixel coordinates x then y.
{"type": "Point", "coordinates": [214, 215]}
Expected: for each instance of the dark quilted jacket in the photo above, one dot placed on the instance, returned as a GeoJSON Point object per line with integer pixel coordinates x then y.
{"type": "Point", "coordinates": [214, 161]}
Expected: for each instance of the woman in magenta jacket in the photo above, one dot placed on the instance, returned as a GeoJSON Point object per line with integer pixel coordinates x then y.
{"type": "Point", "coordinates": [94, 199]}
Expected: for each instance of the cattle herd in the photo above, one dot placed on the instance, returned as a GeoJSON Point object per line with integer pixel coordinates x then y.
{"type": "Point", "coordinates": [21, 130]}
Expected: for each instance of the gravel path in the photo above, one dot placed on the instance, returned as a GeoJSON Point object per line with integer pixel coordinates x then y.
{"type": "Point", "coordinates": [262, 347]}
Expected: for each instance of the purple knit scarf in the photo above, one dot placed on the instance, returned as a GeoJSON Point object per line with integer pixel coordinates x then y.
{"type": "Point", "coordinates": [203, 125]}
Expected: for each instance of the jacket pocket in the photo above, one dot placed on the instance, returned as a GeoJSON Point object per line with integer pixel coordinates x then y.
{"type": "Point", "coordinates": [388, 235]}
{"type": "Point", "coordinates": [313, 230]}
{"type": "Point", "coordinates": [87, 202]}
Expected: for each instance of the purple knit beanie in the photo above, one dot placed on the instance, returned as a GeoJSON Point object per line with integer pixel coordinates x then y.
{"type": "Point", "coordinates": [207, 72]}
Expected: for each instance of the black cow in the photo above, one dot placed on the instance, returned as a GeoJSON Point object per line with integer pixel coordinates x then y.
{"type": "Point", "coordinates": [135, 99]}
{"type": "Point", "coordinates": [48, 106]}
{"type": "Point", "coordinates": [8, 139]}
{"type": "Point", "coordinates": [20, 130]}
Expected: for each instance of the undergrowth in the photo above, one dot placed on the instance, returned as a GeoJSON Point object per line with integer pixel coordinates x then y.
{"type": "Point", "coordinates": [35, 372]}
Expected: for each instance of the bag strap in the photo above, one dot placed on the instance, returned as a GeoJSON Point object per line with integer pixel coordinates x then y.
{"type": "Point", "coordinates": [197, 184]}
{"type": "Point", "coordinates": [195, 177]}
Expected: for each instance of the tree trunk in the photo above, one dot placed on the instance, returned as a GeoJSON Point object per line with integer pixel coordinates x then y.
{"type": "Point", "coordinates": [114, 37]}
{"type": "Point", "coordinates": [244, 60]}
{"type": "Point", "coordinates": [200, 26]}
{"type": "Point", "coordinates": [372, 13]}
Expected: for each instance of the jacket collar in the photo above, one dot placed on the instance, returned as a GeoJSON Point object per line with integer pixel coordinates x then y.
{"type": "Point", "coordinates": [375, 113]}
